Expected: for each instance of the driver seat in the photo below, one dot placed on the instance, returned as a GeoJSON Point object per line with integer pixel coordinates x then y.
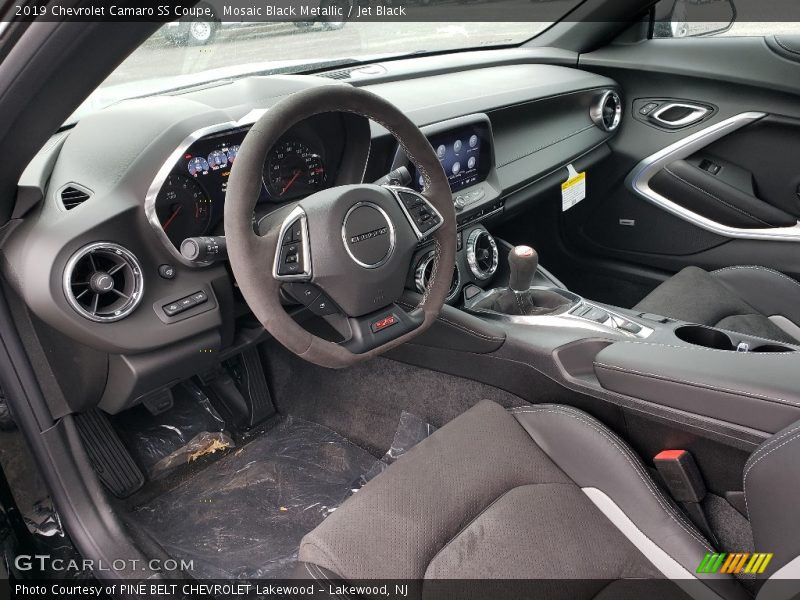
{"type": "Point", "coordinates": [538, 492]}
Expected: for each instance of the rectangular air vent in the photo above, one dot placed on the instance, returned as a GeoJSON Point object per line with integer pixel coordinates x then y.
{"type": "Point", "coordinates": [72, 196]}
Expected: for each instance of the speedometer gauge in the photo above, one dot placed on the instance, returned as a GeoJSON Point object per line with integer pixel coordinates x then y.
{"type": "Point", "coordinates": [292, 171]}
{"type": "Point", "coordinates": [183, 209]}
{"type": "Point", "coordinates": [217, 160]}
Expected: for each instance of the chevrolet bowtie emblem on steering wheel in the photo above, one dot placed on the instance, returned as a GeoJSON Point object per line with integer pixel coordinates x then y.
{"type": "Point", "coordinates": [369, 234]}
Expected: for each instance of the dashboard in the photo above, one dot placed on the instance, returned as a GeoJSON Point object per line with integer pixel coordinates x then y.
{"type": "Point", "coordinates": [128, 184]}
{"type": "Point", "coordinates": [187, 197]}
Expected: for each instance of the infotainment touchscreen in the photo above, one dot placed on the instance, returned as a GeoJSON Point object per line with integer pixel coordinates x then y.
{"type": "Point", "coordinates": [465, 156]}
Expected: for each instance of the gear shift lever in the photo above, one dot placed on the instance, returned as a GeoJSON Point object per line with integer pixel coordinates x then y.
{"type": "Point", "coordinates": [519, 298]}
{"type": "Point", "coordinates": [522, 262]}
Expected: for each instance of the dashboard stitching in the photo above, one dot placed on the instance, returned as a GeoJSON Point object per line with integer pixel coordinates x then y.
{"type": "Point", "coordinates": [543, 146]}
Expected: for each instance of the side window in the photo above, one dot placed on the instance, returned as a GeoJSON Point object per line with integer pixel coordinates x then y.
{"type": "Point", "coordinates": [694, 18]}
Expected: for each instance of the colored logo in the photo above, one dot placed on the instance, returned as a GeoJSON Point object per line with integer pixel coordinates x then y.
{"type": "Point", "coordinates": [742, 562]}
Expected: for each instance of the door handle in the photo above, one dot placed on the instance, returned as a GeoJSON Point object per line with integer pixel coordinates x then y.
{"type": "Point", "coordinates": [674, 115]}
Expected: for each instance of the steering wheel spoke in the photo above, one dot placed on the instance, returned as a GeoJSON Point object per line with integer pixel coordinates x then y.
{"type": "Point", "coordinates": [422, 215]}
{"type": "Point", "coordinates": [293, 252]}
{"type": "Point", "coordinates": [380, 327]}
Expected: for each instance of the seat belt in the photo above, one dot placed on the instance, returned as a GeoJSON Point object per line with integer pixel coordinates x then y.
{"type": "Point", "coordinates": [682, 478]}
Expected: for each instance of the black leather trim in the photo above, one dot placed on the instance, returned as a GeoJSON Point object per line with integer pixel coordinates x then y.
{"type": "Point", "coordinates": [714, 199]}
{"type": "Point", "coordinates": [772, 487]}
{"type": "Point", "coordinates": [757, 390]}
{"type": "Point", "coordinates": [594, 456]}
{"type": "Point", "coordinates": [786, 46]}
{"type": "Point", "coordinates": [457, 330]}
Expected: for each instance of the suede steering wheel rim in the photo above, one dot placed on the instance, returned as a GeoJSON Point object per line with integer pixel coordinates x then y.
{"type": "Point", "coordinates": [333, 243]}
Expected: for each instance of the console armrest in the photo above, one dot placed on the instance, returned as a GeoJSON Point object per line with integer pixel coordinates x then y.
{"type": "Point", "coordinates": [755, 389]}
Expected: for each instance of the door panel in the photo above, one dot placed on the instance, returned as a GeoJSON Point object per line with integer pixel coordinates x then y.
{"type": "Point", "coordinates": [721, 188]}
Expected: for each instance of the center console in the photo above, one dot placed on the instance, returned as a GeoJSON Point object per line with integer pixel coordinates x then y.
{"type": "Point", "coordinates": [736, 379]}
{"type": "Point", "coordinates": [522, 330]}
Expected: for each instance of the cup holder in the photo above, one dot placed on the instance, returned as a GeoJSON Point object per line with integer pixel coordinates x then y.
{"type": "Point", "coordinates": [705, 336]}
{"type": "Point", "coordinates": [771, 348]}
{"type": "Point", "coordinates": [719, 340]}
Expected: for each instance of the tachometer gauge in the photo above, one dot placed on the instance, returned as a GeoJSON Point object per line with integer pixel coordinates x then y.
{"type": "Point", "coordinates": [231, 153]}
{"type": "Point", "coordinates": [198, 166]}
{"type": "Point", "coordinates": [292, 171]}
{"type": "Point", "coordinates": [217, 160]}
{"type": "Point", "coordinates": [183, 209]}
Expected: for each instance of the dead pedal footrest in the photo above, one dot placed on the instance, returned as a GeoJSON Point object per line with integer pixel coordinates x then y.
{"type": "Point", "coordinates": [110, 458]}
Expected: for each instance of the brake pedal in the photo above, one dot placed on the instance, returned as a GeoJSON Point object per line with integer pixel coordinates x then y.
{"type": "Point", "coordinates": [241, 388]}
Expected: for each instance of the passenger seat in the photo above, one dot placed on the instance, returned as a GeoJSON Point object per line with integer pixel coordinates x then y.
{"type": "Point", "coordinates": [751, 300]}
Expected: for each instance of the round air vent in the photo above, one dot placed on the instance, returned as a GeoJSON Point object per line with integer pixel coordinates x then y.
{"type": "Point", "coordinates": [482, 255]}
{"type": "Point", "coordinates": [606, 112]}
{"type": "Point", "coordinates": [423, 275]}
{"type": "Point", "coordinates": [103, 282]}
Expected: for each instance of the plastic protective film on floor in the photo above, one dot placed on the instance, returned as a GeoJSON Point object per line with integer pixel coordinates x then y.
{"type": "Point", "coordinates": [243, 516]}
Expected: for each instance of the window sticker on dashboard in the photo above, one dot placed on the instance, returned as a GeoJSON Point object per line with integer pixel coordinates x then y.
{"type": "Point", "coordinates": [573, 190]}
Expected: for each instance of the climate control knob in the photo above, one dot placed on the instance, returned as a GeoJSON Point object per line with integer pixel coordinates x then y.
{"type": "Point", "coordinates": [459, 202]}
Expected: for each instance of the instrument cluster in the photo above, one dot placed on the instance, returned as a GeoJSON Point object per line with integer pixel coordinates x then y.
{"type": "Point", "coordinates": [191, 200]}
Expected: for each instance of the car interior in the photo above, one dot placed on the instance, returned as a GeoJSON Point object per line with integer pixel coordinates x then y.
{"type": "Point", "coordinates": [526, 312]}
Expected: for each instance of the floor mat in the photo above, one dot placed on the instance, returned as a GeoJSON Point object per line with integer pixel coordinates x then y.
{"type": "Point", "coordinates": [244, 516]}
{"type": "Point", "coordinates": [364, 402]}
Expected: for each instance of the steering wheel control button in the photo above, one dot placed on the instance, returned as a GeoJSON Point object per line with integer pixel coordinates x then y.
{"type": "Point", "coordinates": [322, 305]}
{"type": "Point", "coordinates": [410, 201]}
{"type": "Point", "coordinates": [292, 259]}
{"type": "Point", "coordinates": [297, 231]}
{"type": "Point", "coordinates": [425, 219]}
{"type": "Point", "coordinates": [166, 271]}
{"type": "Point", "coordinates": [383, 323]}
{"type": "Point", "coordinates": [368, 235]}
{"type": "Point", "coordinates": [304, 293]}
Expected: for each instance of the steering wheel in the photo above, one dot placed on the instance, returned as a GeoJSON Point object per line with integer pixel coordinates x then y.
{"type": "Point", "coordinates": [346, 249]}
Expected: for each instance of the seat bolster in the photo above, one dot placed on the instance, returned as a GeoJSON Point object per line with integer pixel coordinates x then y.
{"type": "Point", "coordinates": [772, 488]}
{"type": "Point", "coordinates": [695, 296]}
{"type": "Point", "coordinates": [396, 524]}
{"type": "Point", "coordinates": [595, 457]}
{"type": "Point", "coordinates": [770, 292]}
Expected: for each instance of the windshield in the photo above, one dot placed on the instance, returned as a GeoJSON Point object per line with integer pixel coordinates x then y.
{"type": "Point", "coordinates": [183, 54]}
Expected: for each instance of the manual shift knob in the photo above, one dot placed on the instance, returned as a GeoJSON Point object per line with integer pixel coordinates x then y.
{"type": "Point", "coordinates": [523, 262]}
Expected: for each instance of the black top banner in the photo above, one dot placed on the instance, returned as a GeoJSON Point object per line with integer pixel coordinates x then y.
{"type": "Point", "coordinates": [540, 11]}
